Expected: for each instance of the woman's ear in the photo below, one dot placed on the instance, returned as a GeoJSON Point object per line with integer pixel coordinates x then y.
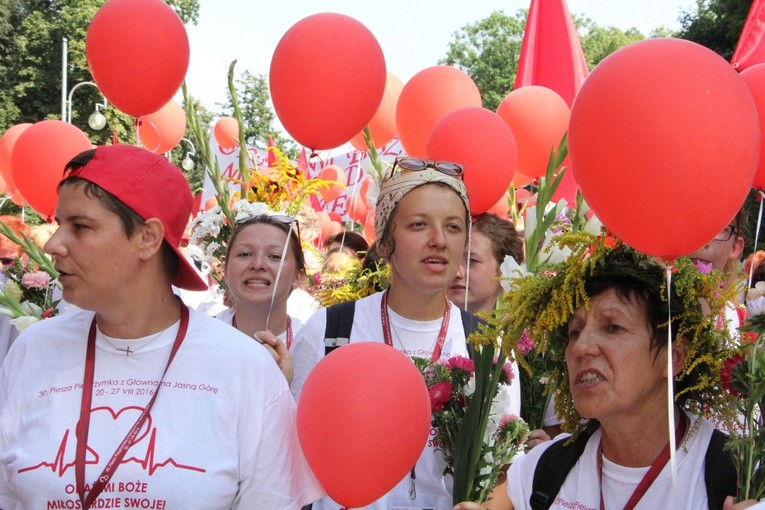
{"type": "Point", "coordinates": [152, 234]}
{"type": "Point", "coordinates": [679, 355]}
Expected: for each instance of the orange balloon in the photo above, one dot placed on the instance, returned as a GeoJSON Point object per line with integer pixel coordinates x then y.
{"type": "Point", "coordinates": [382, 126]}
{"type": "Point", "coordinates": [226, 132]}
{"type": "Point", "coordinates": [520, 180]}
{"type": "Point", "coordinates": [369, 227]}
{"type": "Point", "coordinates": [539, 118]}
{"type": "Point", "coordinates": [38, 161]}
{"type": "Point", "coordinates": [501, 208]}
{"type": "Point", "coordinates": [332, 173]}
{"type": "Point", "coordinates": [7, 141]}
{"type": "Point", "coordinates": [428, 97]}
{"type": "Point", "coordinates": [162, 130]}
{"type": "Point", "coordinates": [357, 208]}
{"type": "Point", "coordinates": [343, 404]}
{"type": "Point", "coordinates": [210, 203]}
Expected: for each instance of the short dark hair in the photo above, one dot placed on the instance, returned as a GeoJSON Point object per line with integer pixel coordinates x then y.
{"type": "Point", "coordinates": [129, 218]}
{"type": "Point", "coordinates": [349, 239]}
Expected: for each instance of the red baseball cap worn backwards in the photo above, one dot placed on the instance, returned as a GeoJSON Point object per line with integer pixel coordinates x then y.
{"type": "Point", "coordinates": [152, 187]}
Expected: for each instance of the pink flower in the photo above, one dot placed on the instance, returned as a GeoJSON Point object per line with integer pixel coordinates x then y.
{"type": "Point", "coordinates": [38, 280]}
{"type": "Point", "coordinates": [439, 395]}
{"type": "Point", "coordinates": [511, 427]}
{"type": "Point", "coordinates": [703, 267]}
{"type": "Point", "coordinates": [460, 362]}
{"type": "Point", "coordinates": [525, 343]}
{"type": "Point", "coordinates": [507, 373]}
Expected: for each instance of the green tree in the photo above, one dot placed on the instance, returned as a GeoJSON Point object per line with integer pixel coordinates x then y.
{"type": "Point", "coordinates": [257, 114]}
{"type": "Point", "coordinates": [196, 174]}
{"type": "Point", "coordinates": [599, 42]}
{"type": "Point", "coordinates": [489, 50]}
{"type": "Point", "coordinates": [30, 57]}
{"type": "Point", "coordinates": [715, 24]}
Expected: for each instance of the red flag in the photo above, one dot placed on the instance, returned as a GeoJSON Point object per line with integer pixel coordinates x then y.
{"type": "Point", "coordinates": [750, 49]}
{"type": "Point", "coordinates": [271, 155]}
{"type": "Point", "coordinates": [302, 162]}
{"type": "Point", "coordinates": [551, 54]}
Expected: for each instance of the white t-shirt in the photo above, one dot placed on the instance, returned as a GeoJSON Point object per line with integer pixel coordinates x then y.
{"type": "Point", "coordinates": [227, 316]}
{"type": "Point", "coordinates": [415, 338]}
{"type": "Point", "coordinates": [581, 489]}
{"type": "Point", "coordinates": [221, 434]}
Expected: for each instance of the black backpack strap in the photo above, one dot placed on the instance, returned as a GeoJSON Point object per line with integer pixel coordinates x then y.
{"type": "Point", "coordinates": [470, 323]}
{"type": "Point", "coordinates": [339, 324]}
{"type": "Point", "coordinates": [553, 468]}
{"type": "Point", "coordinates": [719, 471]}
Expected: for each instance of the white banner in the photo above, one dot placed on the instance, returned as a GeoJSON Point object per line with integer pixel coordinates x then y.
{"type": "Point", "coordinates": [355, 164]}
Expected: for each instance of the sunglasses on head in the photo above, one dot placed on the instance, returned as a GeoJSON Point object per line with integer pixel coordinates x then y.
{"type": "Point", "coordinates": [281, 219]}
{"type": "Point", "coordinates": [418, 165]}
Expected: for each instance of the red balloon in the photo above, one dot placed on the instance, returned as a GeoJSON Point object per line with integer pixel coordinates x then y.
{"type": "Point", "coordinates": [162, 130]}
{"type": "Point", "coordinates": [343, 79]}
{"type": "Point", "coordinates": [7, 141]}
{"type": "Point", "coordinates": [480, 140]}
{"type": "Point", "coordinates": [38, 161]}
{"type": "Point", "coordinates": [427, 98]}
{"type": "Point", "coordinates": [539, 118]}
{"type": "Point", "coordinates": [343, 404]}
{"type": "Point", "coordinates": [332, 173]}
{"type": "Point", "coordinates": [754, 77]}
{"type": "Point", "coordinates": [382, 126]}
{"type": "Point", "coordinates": [660, 128]}
{"type": "Point", "coordinates": [138, 54]}
{"type": "Point", "coordinates": [226, 132]}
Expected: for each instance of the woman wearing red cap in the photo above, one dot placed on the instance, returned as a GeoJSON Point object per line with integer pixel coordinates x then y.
{"type": "Point", "coordinates": [136, 401]}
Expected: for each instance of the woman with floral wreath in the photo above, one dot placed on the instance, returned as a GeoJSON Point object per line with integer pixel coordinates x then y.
{"type": "Point", "coordinates": [602, 317]}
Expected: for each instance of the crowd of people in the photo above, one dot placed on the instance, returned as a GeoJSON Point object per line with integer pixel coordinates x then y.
{"type": "Point", "coordinates": [169, 388]}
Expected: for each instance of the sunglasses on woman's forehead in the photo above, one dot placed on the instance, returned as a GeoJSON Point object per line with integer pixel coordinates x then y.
{"type": "Point", "coordinates": [418, 165]}
{"type": "Point", "coordinates": [281, 219]}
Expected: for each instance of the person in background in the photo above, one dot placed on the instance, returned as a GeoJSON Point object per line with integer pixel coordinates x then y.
{"type": "Point", "coordinates": [723, 253]}
{"type": "Point", "coordinates": [135, 399]}
{"type": "Point", "coordinates": [349, 239]}
{"type": "Point", "coordinates": [492, 239]}
{"type": "Point", "coordinates": [756, 259]}
{"type": "Point", "coordinates": [421, 223]}
{"type": "Point", "coordinates": [264, 265]}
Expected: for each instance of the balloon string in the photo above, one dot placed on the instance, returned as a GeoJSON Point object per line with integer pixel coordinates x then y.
{"type": "Point", "coordinates": [756, 241]}
{"type": "Point", "coordinates": [670, 386]}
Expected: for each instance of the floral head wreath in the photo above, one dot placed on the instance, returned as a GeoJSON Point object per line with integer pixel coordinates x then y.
{"type": "Point", "coordinates": [541, 304]}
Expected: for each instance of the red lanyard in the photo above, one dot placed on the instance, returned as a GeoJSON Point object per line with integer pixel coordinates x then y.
{"type": "Point", "coordinates": [441, 334]}
{"type": "Point", "coordinates": [650, 476]}
{"type": "Point", "coordinates": [85, 407]}
{"type": "Point", "coordinates": [288, 339]}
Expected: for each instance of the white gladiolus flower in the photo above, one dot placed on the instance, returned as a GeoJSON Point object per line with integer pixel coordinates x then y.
{"type": "Point", "coordinates": [511, 270]}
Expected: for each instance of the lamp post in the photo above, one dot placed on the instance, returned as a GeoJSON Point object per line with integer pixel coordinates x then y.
{"type": "Point", "coordinates": [96, 120]}
{"type": "Point", "coordinates": [188, 163]}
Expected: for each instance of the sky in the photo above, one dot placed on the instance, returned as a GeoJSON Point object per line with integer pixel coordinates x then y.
{"type": "Point", "coordinates": [413, 34]}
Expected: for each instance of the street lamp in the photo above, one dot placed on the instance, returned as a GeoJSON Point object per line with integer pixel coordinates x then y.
{"type": "Point", "coordinates": [96, 120]}
{"type": "Point", "coordinates": [188, 163]}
